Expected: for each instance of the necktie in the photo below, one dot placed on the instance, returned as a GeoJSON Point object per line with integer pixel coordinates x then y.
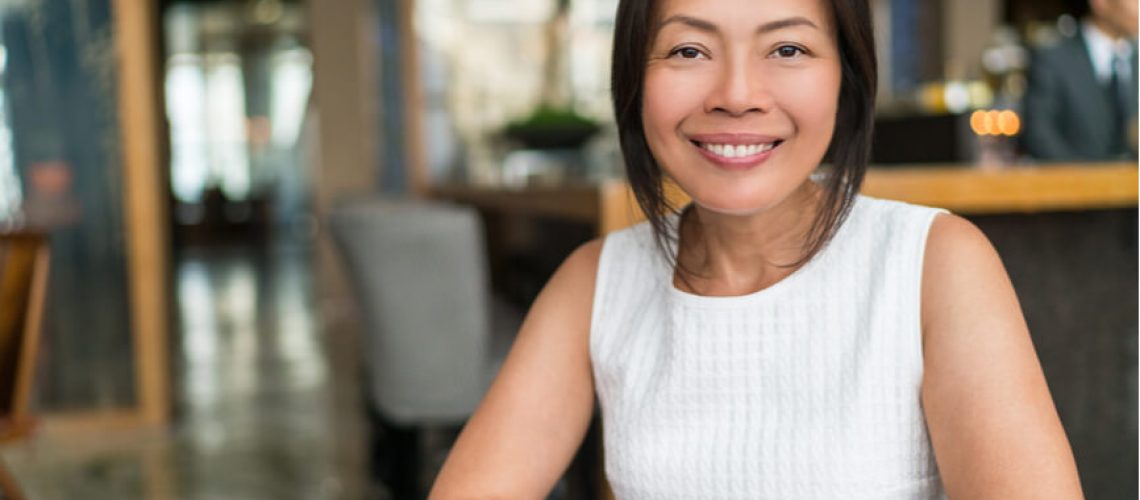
{"type": "Point", "coordinates": [1123, 106]}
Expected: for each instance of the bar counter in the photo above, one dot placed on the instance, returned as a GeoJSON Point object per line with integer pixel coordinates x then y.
{"type": "Point", "coordinates": [968, 190]}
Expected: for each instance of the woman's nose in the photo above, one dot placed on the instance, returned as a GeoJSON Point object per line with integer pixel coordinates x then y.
{"type": "Point", "coordinates": [740, 89]}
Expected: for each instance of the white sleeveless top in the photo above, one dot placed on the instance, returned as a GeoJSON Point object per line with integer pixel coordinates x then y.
{"type": "Point", "coordinates": [807, 389]}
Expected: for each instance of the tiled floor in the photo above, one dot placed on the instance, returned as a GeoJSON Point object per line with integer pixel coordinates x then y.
{"type": "Point", "coordinates": [267, 401]}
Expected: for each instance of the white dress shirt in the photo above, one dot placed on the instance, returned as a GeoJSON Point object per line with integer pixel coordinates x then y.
{"type": "Point", "coordinates": [1103, 48]}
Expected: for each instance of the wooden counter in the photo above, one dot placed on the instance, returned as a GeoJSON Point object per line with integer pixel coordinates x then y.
{"type": "Point", "coordinates": [973, 191]}
{"type": "Point", "coordinates": [960, 189]}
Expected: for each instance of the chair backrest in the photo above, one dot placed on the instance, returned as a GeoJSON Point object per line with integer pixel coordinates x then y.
{"type": "Point", "coordinates": [419, 272]}
{"type": "Point", "coordinates": [24, 261]}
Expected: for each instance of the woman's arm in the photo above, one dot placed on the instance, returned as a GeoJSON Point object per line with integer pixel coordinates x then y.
{"type": "Point", "coordinates": [530, 424]}
{"type": "Point", "coordinates": [992, 422]}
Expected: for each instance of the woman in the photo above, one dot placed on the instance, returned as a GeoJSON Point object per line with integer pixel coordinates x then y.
{"type": "Point", "coordinates": [781, 337]}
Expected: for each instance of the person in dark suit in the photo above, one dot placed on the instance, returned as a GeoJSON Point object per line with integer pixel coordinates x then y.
{"type": "Point", "coordinates": [1080, 103]}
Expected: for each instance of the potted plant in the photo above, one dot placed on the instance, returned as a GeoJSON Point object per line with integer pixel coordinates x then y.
{"type": "Point", "coordinates": [550, 127]}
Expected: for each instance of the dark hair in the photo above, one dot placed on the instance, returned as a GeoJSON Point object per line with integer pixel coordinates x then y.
{"type": "Point", "coordinates": [848, 152]}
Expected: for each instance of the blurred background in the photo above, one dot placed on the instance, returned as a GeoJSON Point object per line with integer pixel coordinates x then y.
{"type": "Point", "coordinates": [289, 240]}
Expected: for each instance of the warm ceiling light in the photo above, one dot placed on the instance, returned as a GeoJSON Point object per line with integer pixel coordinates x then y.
{"type": "Point", "coordinates": [1009, 123]}
{"type": "Point", "coordinates": [978, 122]}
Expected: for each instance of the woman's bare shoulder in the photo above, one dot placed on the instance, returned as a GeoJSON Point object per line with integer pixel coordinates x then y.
{"type": "Point", "coordinates": [583, 261]}
{"type": "Point", "coordinates": [965, 288]}
{"type": "Point", "coordinates": [572, 285]}
{"type": "Point", "coordinates": [959, 258]}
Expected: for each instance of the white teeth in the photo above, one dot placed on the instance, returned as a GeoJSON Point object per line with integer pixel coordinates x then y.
{"type": "Point", "coordinates": [738, 150]}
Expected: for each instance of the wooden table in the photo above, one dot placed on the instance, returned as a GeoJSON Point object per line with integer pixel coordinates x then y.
{"type": "Point", "coordinates": [961, 189]}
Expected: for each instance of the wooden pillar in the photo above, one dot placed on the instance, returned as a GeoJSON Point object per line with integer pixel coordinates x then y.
{"type": "Point", "coordinates": [145, 209]}
{"type": "Point", "coordinates": [418, 179]}
{"type": "Point", "coordinates": [345, 93]}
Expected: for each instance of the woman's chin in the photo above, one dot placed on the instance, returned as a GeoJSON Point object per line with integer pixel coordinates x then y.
{"type": "Point", "coordinates": [744, 202]}
{"type": "Point", "coordinates": [733, 207]}
{"type": "Point", "coordinates": [736, 201]}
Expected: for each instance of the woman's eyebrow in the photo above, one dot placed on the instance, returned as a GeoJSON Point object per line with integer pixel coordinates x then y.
{"type": "Point", "coordinates": [707, 26]}
{"type": "Point", "coordinates": [692, 22]}
{"type": "Point", "coordinates": [780, 24]}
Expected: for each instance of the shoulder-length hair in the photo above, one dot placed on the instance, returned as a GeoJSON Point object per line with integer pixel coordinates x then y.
{"type": "Point", "coordinates": [848, 152]}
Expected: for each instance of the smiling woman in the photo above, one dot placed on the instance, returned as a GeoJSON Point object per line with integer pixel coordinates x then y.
{"type": "Point", "coordinates": [738, 115]}
{"type": "Point", "coordinates": [813, 61]}
{"type": "Point", "coordinates": [781, 336]}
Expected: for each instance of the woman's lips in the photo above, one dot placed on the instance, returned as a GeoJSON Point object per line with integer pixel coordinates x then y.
{"type": "Point", "coordinates": [739, 153]}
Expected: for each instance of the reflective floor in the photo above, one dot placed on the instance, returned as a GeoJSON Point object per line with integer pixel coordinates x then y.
{"type": "Point", "coordinates": [267, 403]}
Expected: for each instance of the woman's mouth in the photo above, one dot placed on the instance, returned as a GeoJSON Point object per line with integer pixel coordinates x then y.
{"type": "Point", "coordinates": [739, 155]}
{"type": "Point", "coordinates": [737, 150]}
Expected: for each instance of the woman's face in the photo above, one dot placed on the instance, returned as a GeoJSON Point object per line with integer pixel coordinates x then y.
{"type": "Point", "coordinates": [740, 98]}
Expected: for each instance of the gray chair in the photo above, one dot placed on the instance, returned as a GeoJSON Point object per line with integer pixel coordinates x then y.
{"type": "Point", "coordinates": [434, 337]}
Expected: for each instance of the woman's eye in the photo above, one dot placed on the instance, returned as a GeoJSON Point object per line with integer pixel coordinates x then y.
{"type": "Point", "coordinates": [788, 51]}
{"type": "Point", "coordinates": [686, 52]}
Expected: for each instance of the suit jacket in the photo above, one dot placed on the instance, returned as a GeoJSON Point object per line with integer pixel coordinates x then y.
{"type": "Point", "coordinates": [1068, 112]}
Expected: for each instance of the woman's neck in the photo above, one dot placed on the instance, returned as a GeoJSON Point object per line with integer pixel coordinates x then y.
{"type": "Point", "coordinates": [738, 254]}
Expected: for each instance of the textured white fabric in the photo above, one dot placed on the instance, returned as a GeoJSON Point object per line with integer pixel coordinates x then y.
{"type": "Point", "coordinates": [807, 389]}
